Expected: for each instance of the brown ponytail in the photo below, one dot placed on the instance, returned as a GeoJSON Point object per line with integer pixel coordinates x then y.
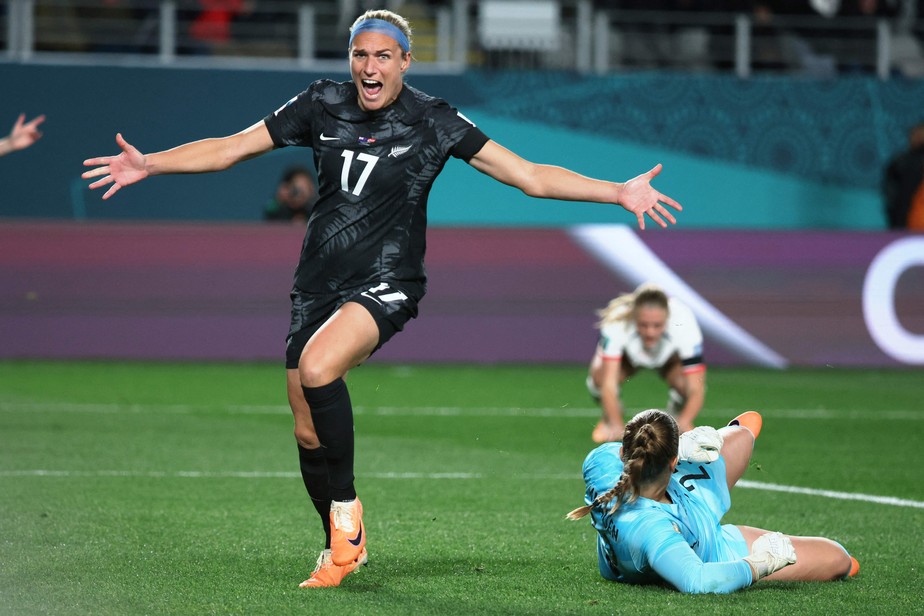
{"type": "Point", "coordinates": [649, 446]}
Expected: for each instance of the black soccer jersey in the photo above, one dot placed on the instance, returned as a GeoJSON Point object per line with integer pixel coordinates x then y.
{"type": "Point", "coordinates": [375, 171]}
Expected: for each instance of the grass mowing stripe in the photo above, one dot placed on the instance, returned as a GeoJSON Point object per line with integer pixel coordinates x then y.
{"type": "Point", "coordinates": [155, 474]}
{"type": "Point", "coordinates": [435, 411]}
{"type": "Point", "coordinates": [448, 411]}
{"type": "Point", "coordinates": [244, 474]}
{"type": "Point", "coordinates": [756, 485]}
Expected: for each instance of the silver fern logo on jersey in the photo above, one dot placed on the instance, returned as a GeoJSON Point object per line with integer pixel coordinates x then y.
{"type": "Point", "coordinates": [398, 150]}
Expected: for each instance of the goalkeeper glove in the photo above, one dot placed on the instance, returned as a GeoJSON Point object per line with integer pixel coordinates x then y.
{"type": "Point", "coordinates": [700, 444]}
{"type": "Point", "coordinates": [770, 553]}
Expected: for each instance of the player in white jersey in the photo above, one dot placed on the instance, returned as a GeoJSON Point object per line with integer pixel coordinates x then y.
{"type": "Point", "coordinates": [647, 329]}
{"type": "Point", "coordinates": [657, 501]}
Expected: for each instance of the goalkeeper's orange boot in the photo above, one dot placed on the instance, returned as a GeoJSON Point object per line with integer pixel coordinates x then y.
{"type": "Point", "coordinates": [750, 420]}
{"type": "Point", "coordinates": [327, 575]}
{"type": "Point", "coordinates": [854, 567]}
{"type": "Point", "coordinates": [347, 533]}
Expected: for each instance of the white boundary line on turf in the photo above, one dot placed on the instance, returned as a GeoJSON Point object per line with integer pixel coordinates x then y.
{"type": "Point", "coordinates": [879, 500]}
{"type": "Point", "coordinates": [755, 485]}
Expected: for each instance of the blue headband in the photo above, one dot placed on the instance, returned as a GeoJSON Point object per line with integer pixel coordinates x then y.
{"type": "Point", "coordinates": [382, 27]}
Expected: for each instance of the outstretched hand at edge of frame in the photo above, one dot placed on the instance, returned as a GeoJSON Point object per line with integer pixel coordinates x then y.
{"type": "Point", "coordinates": [25, 133]}
{"type": "Point", "coordinates": [121, 170]}
{"type": "Point", "coordinates": [22, 135]}
{"type": "Point", "coordinates": [639, 197]}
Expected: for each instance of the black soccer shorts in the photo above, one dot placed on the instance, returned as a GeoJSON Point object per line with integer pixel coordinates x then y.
{"type": "Point", "coordinates": [390, 306]}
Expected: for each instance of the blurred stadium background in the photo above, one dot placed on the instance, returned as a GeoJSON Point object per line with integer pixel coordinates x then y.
{"type": "Point", "coordinates": [773, 120]}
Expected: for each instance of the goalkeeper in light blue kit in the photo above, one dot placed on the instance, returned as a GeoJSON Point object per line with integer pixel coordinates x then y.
{"type": "Point", "coordinates": [657, 499]}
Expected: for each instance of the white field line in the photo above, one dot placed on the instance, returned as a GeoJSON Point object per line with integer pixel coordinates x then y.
{"type": "Point", "coordinates": [28, 407]}
{"type": "Point", "coordinates": [755, 485]}
{"type": "Point", "coordinates": [429, 411]}
{"type": "Point", "coordinates": [868, 498]}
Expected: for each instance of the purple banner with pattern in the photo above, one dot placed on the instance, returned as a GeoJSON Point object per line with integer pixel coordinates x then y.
{"type": "Point", "coordinates": [220, 292]}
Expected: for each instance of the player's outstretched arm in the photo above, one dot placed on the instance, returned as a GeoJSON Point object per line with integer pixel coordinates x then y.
{"type": "Point", "coordinates": [695, 398]}
{"type": "Point", "coordinates": [609, 398]}
{"type": "Point", "coordinates": [131, 166]}
{"type": "Point", "coordinates": [22, 135]}
{"type": "Point", "coordinates": [676, 562]}
{"type": "Point", "coordinates": [637, 195]}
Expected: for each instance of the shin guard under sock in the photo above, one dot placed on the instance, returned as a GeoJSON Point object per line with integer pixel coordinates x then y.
{"type": "Point", "coordinates": [332, 414]}
{"type": "Point", "coordinates": [313, 465]}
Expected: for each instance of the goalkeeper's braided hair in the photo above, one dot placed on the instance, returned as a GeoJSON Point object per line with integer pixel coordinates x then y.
{"type": "Point", "coordinates": [649, 445]}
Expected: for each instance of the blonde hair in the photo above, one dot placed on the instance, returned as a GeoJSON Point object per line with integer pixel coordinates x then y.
{"type": "Point", "coordinates": [625, 306]}
{"type": "Point", "coordinates": [649, 445]}
{"type": "Point", "coordinates": [391, 17]}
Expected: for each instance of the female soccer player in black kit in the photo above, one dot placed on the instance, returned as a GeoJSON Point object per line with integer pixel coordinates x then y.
{"type": "Point", "coordinates": [378, 146]}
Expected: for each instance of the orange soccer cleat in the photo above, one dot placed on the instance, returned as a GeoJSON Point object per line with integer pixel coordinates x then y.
{"type": "Point", "coordinates": [348, 535]}
{"type": "Point", "coordinates": [328, 575]}
{"type": "Point", "coordinates": [854, 567]}
{"type": "Point", "coordinates": [750, 420]}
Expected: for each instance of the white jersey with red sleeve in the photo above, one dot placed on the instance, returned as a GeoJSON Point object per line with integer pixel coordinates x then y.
{"type": "Point", "coordinates": [682, 336]}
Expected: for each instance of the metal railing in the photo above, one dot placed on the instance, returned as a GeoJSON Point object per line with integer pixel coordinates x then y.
{"type": "Point", "coordinates": [575, 35]}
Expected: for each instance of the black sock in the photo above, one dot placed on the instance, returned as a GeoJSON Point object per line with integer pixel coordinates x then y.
{"type": "Point", "coordinates": [332, 414]}
{"type": "Point", "coordinates": [313, 465]}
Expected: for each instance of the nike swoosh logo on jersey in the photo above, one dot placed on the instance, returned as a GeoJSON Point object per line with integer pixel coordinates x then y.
{"type": "Point", "coordinates": [326, 138]}
{"type": "Point", "coordinates": [359, 537]}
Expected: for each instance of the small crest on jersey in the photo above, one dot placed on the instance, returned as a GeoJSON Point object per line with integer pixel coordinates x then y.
{"type": "Point", "coordinates": [398, 150]}
{"type": "Point", "coordinates": [366, 139]}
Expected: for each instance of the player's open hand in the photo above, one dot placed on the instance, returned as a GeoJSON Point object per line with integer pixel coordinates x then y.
{"type": "Point", "coordinates": [25, 133]}
{"type": "Point", "coordinates": [640, 198]}
{"type": "Point", "coordinates": [126, 168]}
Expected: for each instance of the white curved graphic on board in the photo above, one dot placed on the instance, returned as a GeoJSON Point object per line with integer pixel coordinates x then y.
{"type": "Point", "coordinates": [621, 250]}
{"type": "Point", "coordinates": [879, 300]}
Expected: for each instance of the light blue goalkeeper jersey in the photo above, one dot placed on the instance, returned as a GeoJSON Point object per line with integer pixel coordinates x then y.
{"type": "Point", "coordinates": [683, 543]}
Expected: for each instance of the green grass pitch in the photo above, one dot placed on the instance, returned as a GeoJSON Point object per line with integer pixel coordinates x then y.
{"type": "Point", "coordinates": [155, 488]}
